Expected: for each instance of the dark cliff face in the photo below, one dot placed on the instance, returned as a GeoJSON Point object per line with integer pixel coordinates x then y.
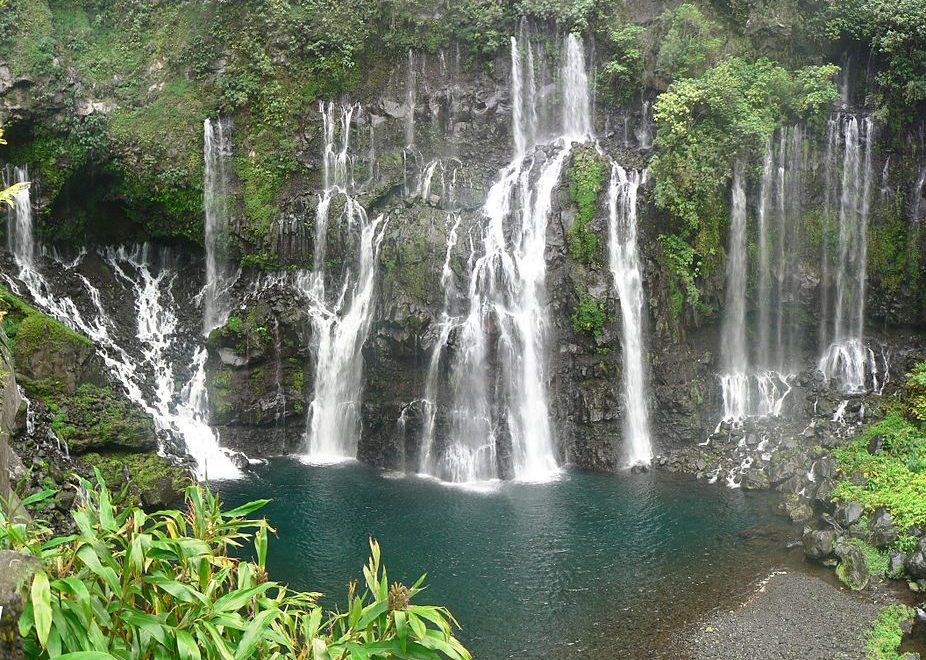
{"type": "Point", "coordinates": [261, 368]}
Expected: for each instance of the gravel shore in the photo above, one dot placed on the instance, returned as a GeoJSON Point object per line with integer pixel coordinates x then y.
{"type": "Point", "coordinates": [792, 615]}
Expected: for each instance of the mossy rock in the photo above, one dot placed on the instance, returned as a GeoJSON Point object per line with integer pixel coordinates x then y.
{"type": "Point", "coordinates": [144, 478]}
{"type": "Point", "coordinates": [45, 350]}
{"type": "Point", "coordinates": [96, 418]}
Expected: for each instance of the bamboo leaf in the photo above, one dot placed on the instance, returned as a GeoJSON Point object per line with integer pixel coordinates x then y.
{"type": "Point", "coordinates": [41, 606]}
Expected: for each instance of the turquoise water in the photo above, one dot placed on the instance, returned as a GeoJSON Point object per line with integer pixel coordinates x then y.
{"type": "Point", "coordinates": [591, 565]}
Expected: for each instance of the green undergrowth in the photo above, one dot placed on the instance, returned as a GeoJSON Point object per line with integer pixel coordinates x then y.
{"type": "Point", "coordinates": [883, 639]}
{"type": "Point", "coordinates": [173, 584]}
{"type": "Point", "coordinates": [894, 477]}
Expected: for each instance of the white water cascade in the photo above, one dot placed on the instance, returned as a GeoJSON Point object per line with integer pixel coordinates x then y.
{"type": "Point", "coordinates": [846, 359]}
{"type": "Point", "coordinates": [217, 206]}
{"type": "Point", "coordinates": [498, 376]}
{"type": "Point", "coordinates": [735, 379]}
{"type": "Point", "coordinates": [624, 261]}
{"type": "Point", "coordinates": [186, 412]}
{"type": "Point", "coordinates": [341, 314]}
{"type": "Point", "coordinates": [156, 330]}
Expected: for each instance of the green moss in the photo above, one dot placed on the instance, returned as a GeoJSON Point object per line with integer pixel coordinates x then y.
{"type": "Point", "coordinates": [29, 330]}
{"type": "Point", "coordinates": [94, 417]}
{"type": "Point", "coordinates": [886, 634]}
{"type": "Point", "coordinates": [586, 179]}
{"type": "Point", "coordinates": [152, 479]}
{"type": "Point", "coordinates": [893, 253]}
{"type": "Point", "coordinates": [589, 315]}
{"type": "Point", "coordinates": [876, 560]}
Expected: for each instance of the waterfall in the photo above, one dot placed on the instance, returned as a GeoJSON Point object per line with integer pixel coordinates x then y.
{"type": "Point", "coordinates": [735, 381]}
{"type": "Point", "coordinates": [644, 130]}
{"type": "Point", "coordinates": [157, 327]}
{"type": "Point", "coordinates": [779, 238]}
{"type": "Point", "coordinates": [340, 317]}
{"type": "Point", "coordinates": [217, 206]}
{"type": "Point", "coordinates": [624, 261]}
{"type": "Point", "coordinates": [19, 226]}
{"type": "Point", "coordinates": [499, 370]}
{"type": "Point", "coordinates": [845, 357]}
{"type": "Point", "coordinates": [428, 463]}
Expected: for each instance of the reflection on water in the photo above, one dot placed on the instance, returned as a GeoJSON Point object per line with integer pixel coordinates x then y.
{"type": "Point", "coordinates": [587, 566]}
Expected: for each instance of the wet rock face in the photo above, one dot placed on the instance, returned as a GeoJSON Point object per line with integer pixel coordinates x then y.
{"type": "Point", "coordinates": [256, 376]}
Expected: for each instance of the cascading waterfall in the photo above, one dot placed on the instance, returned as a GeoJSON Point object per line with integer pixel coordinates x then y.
{"type": "Point", "coordinates": [340, 317]}
{"type": "Point", "coordinates": [778, 276]}
{"type": "Point", "coordinates": [846, 359]}
{"type": "Point", "coordinates": [624, 261]}
{"type": "Point", "coordinates": [217, 206]}
{"type": "Point", "coordinates": [760, 386]}
{"type": "Point", "coordinates": [156, 328]}
{"type": "Point", "coordinates": [506, 324]}
{"type": "Point", "coordinates": [735, 379]}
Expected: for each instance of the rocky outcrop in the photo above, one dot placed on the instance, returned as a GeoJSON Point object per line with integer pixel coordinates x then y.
{"type": "Point", "coordinates": [257, 370]}
{"type": "Point", "coordinates": [72, 420]}
{"type": "Point", "coordinates": [16, 571]}
{"type": "Point", "coordinates": [10, 403]}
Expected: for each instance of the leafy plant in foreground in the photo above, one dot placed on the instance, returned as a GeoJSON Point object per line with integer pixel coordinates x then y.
{"type": "Point", "coordinates": [132, 585]}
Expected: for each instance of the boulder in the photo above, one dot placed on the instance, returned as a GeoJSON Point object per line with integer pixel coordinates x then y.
{"type": "Point", "coordinates": [16, 570]}
{"type": "Point", "coordinates": [818, 543]}
{"type": "Point", "coordinates": [848, 513]}
{"type": "Point", "coordinates": [916, 562]}
{"type": "Point", "coordinates": [852, 569]}
{"type": "Point", "coordinates": [824, 490]}
{"type": "Point", "coordinates": [798, 509]}
{"type": "Point", "coordinates": [896, 563]}
{"type": "Point", "coordinates": [881, 530]}
{"type": "Point", "coordinates": [755, 479]}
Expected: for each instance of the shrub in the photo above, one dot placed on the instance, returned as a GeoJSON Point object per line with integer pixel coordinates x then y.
{"type": "Point", "coordinates": [589, 315]}
{"type": "Point", "coordinates": [129, 585]}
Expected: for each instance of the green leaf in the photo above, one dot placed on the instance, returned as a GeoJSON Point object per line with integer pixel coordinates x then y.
{"type": "Point", "coordinates": [187, 649]}
{"type": "Point", "coordinates": [38, 497]}
{"type": "Point", "coordinates": [86, 655]}
{"type": "Point", "coordinates": [41, 606]}
{"type": "Point", "coordinates": [245, 509]}
{"type": "Point", "coordinates": [254, 632]}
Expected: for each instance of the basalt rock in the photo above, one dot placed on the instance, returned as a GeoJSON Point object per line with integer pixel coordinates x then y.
{"type": "Point", "coordinates": [848, 513]}
{"type": "Point", "coordinates": [881, 530]}
{"type": "Point", "coordinates": [819, 543]}
{"type": "Point", "coordinates": [852, 569]}
{"type": "Point", "coordinates": [916, 562]}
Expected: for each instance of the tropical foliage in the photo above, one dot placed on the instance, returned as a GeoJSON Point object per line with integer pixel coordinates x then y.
{"type": "Point", "coordinates": [172, 585]}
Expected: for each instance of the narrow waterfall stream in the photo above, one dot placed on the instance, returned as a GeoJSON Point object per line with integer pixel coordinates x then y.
{"type": "Point", "coordinates": [846, 359]}
{"type": "Point", "coordinates": [340, 314]}
{"type": "Point", "coordinates": [735, 379]}
{"type": "Point", "coordinates": [217, 205]}
{"type": "Point", "coordinates": [624, 261]}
